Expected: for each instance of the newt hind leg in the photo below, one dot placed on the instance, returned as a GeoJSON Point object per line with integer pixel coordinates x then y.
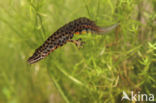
{"type": "Point", "coordinates": [79, 43]}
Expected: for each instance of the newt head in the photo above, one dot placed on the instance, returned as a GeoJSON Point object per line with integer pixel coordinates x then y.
{"type": "Point", "coordinates": [34, 58]}
{"type": "Point", "coordinates": [39, 54]}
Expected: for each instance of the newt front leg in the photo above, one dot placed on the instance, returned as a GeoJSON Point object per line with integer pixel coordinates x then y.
{"type": "Point", "coordinates": [79, 43]}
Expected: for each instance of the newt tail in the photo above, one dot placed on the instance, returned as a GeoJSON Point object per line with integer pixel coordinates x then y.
{"type": "Point", "coordinates": [65, 34]}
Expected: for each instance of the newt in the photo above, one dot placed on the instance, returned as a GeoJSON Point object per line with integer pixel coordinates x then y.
{"type": "Point", "coordinates": [65, 34]}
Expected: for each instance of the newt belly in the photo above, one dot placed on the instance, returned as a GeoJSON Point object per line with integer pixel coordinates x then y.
{"type": "Point", "coordinates": [64, 35]}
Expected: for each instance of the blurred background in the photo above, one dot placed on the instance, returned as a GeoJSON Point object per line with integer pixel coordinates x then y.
{"type": "Point", "coordinates": [121, 60]}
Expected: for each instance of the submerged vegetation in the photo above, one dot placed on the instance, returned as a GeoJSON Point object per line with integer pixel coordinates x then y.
{"type": "Point", "coordinates": [121, 60]}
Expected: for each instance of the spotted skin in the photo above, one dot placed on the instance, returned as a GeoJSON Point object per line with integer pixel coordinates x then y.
{"type": "Point", "coordinates": [64, 35]}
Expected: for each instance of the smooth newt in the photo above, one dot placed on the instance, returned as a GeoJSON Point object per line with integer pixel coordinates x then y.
{"type": "Point", "coordinates": [65, 34]}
